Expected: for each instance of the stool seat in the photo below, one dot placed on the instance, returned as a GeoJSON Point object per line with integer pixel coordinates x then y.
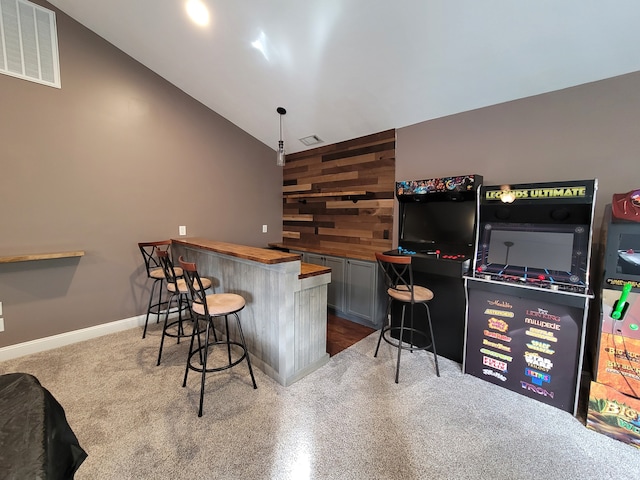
{"type": "Point", "coordinates": [403, 293]}
{"type": "Point", "coordinates": [182, 285]}
{"type": "Point", "coordinates": [158, 273]}
{"type": "Point", "coordinates": [220, 304]}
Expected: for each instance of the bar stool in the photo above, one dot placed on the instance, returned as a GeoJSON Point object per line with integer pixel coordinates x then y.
{"type": "Point", "coordinates": [205, 308]}
{"type": "Point", "coordinates": [178, 293]}
{"type": "Point", "coordinates": [398, 276]}
{"type": "Point", "coordinates": [155, 273]}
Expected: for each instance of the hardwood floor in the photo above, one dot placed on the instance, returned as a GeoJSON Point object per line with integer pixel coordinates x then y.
{"type": "Point", "coordinates": [343, 333]}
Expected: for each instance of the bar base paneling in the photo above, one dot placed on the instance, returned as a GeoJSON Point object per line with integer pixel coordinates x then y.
{"type": "Point", "coordinates": [285, 317]}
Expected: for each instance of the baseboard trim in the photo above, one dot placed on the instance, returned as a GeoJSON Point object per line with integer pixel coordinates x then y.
{"type": "Point", "coordinates": [63, 339]}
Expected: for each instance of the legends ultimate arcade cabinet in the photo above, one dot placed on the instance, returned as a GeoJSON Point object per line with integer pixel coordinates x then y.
{"type": "Point", "coordinates": [528, 292]}
{"type": "Point", "coordinates": [437, 228]}
{"type": "Point", "coordinates": [614, 398]}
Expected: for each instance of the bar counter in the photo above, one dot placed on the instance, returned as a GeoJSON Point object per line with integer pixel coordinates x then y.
{"type": "Point", "coordinates": [285, 317]}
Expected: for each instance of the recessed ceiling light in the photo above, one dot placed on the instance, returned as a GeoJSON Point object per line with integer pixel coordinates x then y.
{"type": "Point", "coordinates": [198, 12]}
{"type": "Point", "coordinates": [311, 140]}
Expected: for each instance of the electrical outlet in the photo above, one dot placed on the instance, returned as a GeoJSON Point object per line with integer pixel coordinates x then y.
{"type": "Point", "coordinates": [264, 229]}
{"type": "Point", "coordinates": [182, 230]}
{"type": "Point", "coordinates": [0, 309]}
{"type": "Point", "coordinates": [1, 324]}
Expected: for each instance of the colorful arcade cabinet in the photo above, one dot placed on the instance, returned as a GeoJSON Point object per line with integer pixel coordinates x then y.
{"type": "Point", "coordinates": [528, 292]}
{"type": "Point", "coordinates": [437, 228]}
{"type": "Point", "coordinates": [614, 397]}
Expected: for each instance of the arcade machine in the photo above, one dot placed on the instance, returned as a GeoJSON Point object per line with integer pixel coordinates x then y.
{"type": "Point", "coordinates": [528, 292]}
{"type": "Point", "coordinates": [437, 227]}
{"type": "Point", "coordinates": [614, 397]}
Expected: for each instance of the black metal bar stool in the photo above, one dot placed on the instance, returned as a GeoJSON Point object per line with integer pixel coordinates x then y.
{"type": "Point", "coordinates": [179, 294]}
{"type": "Point", "coordinates": [154, 272]}
{"type": "Point", "coordinates": [205, 308]}
{"type": "Point", "coordinates": [398, 276]}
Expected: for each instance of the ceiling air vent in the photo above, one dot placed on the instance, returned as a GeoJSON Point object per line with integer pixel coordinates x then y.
{"type": "Point", "coordinates": [28, 42]}
{"type": "Point", "coordinates": [311, 140]}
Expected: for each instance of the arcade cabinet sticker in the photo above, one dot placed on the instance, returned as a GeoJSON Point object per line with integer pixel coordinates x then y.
{"type": "Point", "coordinates": [539, 193]}
{"type": "Point", "coordinates": [619, 351]}
{"type": "Point", "coordinates": [614, 414]}
{"type": "Point", "coordinates": [444, 184]}
{"type": "Point", "coordinates": [524, 346]}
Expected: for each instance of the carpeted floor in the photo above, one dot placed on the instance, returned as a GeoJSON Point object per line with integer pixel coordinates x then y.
{"type": "Point", "coordinates": [347, 420]}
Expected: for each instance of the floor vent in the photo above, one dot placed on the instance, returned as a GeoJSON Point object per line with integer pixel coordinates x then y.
{"type": "Point", "coordinates": [29, 42]}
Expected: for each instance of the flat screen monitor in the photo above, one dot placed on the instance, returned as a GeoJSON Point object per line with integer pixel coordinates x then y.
{"type": "Point", "coordinates": [554, 253]}
{"type": "Point", "coordinates": [629, 254]}
{"type": "Point", "coordinates": [544, 250]}
{"type": "Point", "coordinates": [438, 224]}
{"type": "Point", "coordinates": [622, 253]}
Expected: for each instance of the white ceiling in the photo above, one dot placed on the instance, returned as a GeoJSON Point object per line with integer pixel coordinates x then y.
{"type": "Point", "coordinates": [348, 68]}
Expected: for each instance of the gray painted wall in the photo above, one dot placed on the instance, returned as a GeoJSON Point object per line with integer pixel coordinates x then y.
{"type": "Point", "coordinates": [115, 157]}
{"type": "Point", "coordinates": [584, 132]}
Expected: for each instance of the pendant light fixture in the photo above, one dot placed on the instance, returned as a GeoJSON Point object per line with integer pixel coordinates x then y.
{"type": "Point", "coordinates": [280, 159]}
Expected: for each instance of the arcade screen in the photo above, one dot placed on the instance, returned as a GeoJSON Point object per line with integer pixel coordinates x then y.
{"type": "Point", "coordinates": [546, 250]}
{"type": "Point", "coordinates": [557, 253]}
{"type": "Point", "coordinates": [629, 254]}
{"type": "Point", "coordinates": [438, 223]}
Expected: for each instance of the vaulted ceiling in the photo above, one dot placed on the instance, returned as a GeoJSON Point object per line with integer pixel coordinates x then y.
{"type": "Point", "coordinates": [348, 68]}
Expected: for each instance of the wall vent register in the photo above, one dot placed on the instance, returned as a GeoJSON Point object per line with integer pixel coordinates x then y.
{"type": "Point", "coordinates": [28, 42]}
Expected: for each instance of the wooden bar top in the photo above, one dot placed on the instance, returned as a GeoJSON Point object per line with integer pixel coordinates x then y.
{"type": "Point", "coordinates": [309, 270]}
{"type": "Point", "coordinates": [256, 254]}
{"type": "Point", "coordinates": [260, 255]}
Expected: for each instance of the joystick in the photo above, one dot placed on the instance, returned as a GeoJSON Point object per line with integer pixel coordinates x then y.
{"type": "Point", "coordinates": [621, 304]}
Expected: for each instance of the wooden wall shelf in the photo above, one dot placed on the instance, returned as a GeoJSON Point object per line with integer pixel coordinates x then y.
{"type": "Point", "coordinates": [298, 218]}
{"type": "Point", "coordinates": [352, 193]}
{"type": "Point", "coordinates": [39, 256]}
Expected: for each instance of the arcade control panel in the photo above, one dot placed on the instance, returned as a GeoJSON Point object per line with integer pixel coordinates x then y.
{"type": "Point", "coordinates": [436, 261]}
{"type": "Point", "coordinates": [534, 278]}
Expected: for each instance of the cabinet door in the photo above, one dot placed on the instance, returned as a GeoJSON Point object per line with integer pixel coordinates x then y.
{"type": "Point", "coordinates": [336, 289]}
{"type": "Point", "coordinates": [361, 289]}
{"type": "Point", "coordinates": [314, 258]}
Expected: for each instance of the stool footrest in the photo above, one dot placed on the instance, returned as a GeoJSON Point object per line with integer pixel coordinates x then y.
{"type": "Point", "coordinates": [405, 344]}
{"type": "Point", "coordinates": [168, 332]}
{"type": "Point", "coordinates": [159, 308]}
{"type": "Point", "coordinates": [200, 350]}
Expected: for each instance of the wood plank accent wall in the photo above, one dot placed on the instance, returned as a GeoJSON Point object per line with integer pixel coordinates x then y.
{"type": "Point", "coordinates": [339, 198]}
